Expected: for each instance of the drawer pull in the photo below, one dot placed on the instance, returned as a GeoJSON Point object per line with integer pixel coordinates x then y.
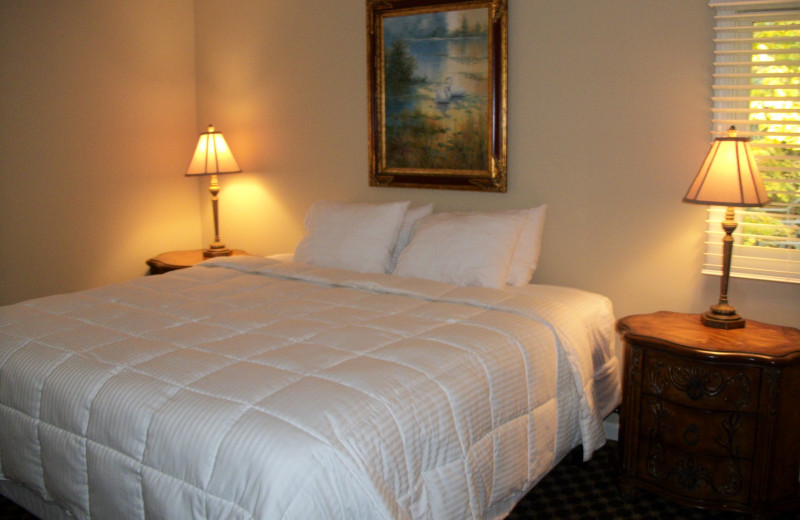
{"type": "Point", "coordinates": [697, 382]}
{"type": "Point", "coordinates": [691, 435]}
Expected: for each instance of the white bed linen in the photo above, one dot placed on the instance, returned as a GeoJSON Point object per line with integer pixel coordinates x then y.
{"type": "Point", "coordinates": [252, 388]}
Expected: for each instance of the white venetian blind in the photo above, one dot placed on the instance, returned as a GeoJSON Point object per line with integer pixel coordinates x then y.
{"type": "Point", "coordinates": [757, 89]}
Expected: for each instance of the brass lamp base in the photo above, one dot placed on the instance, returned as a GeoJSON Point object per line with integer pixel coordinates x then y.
{"type": "Point", "coordinates": [714, 318]}
{"type": "Point", "coordinates": [723, 315]}
{"type": "Point", "coordinates": [217, 248]}
{"type": "Point", "coordinates": [215, 251]}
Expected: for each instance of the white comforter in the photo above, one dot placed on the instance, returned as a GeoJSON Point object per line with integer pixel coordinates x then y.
{"type": "Point", "coordinates": [251, 388]}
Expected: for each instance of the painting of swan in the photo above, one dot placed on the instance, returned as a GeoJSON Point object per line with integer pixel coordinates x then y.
{"type": "Point", "coordinates": [433, 83]}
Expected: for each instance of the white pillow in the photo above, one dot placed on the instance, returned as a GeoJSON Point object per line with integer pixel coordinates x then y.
{"type": "Point", "coordinates": [355, 236]}
{"type": "Point", "coordinates": [412, 216]}
{"type": "Point", "coordinates": [462, 248]}
{"type": "Point", "coordinates": [526, 255]}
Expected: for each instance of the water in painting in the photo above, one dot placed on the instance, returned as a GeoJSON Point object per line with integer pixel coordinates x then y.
{"type": "Point", "coordinates": [436, 90]}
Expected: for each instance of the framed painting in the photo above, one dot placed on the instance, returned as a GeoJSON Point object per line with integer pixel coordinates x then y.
{"type": "Point", "coordinates": [438, 87]}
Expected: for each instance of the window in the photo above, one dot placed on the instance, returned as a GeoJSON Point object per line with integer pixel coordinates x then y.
{"type": "Point", "coordinates": [757, 89]}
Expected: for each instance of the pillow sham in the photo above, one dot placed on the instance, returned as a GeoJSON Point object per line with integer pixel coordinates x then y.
{"type": "Point", "coordinates": [462, 248]}
{"type": "Point", "coordinates": [351, 235]}
{"type": "Point", "coordinates": [526, 255]}
{"type": "Point", "coordinates": [413, 215]}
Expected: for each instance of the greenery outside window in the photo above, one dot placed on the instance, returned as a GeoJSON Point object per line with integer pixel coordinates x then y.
{"type": "Point", "coordinates": [757, 89]}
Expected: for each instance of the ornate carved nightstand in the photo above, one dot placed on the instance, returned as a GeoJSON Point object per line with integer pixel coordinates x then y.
{"type": "Point", "coordinates": [173, 260]}
{"type": "Point", "coordinates": [711, 417]}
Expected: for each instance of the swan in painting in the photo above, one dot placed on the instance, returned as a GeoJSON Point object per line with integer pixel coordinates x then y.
{"type": "Point", "coordinates": [455, 90]}
{"type": "Point", "coordinates": [443, 95]}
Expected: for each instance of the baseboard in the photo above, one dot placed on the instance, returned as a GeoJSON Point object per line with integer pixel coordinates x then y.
{"type": "Point", "coordinates": [611, 426]}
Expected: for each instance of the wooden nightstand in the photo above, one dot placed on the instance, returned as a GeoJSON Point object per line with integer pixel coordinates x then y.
{"type": "Point", "coordinates": [173, 260]}
{"type": "Point", "coordinates": [710, 417]}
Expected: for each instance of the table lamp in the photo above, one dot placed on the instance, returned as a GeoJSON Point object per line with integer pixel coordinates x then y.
{"type": "Point", "coordinates": [212, 157]}
{"type": "Point", "coordinates": [728, 177]}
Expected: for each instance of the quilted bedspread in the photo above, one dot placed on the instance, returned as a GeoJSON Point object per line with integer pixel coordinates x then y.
{"type": "Point", "coordinates": [251, 388]}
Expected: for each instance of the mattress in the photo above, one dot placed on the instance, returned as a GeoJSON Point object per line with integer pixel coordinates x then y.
{"type": "Point", "coordinates": [249, 388]}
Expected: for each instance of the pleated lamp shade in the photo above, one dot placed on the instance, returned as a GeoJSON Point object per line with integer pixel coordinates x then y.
{"type": "Point", "coordinates": [212, 155]}
{"type": "Point", "coordinates": [729, 176]}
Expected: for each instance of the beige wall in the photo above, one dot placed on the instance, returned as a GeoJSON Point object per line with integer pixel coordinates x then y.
{"type": "Point", "coordinates": [97, 111]}
{"type": "Point", "coordinates": [608, 122]}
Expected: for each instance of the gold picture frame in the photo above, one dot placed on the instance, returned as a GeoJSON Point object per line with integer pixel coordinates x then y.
{"type": "Point", "coordinates": [438, 89]}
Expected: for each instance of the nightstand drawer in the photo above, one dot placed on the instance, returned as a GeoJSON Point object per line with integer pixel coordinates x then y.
{"type": "Point", "coordinates": [710, 386]}
{"type": "Point", "coordinates": [723, 434]}
{"type": "Point", "coordinates": [712, 479]}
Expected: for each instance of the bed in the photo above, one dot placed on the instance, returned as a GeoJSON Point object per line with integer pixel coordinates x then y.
{"type": "Point", "coordinates": [252, 387]}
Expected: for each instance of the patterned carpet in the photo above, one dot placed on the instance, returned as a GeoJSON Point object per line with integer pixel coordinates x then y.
{"type": "Point", "coordinates": [575, 490]}
{"type": "Point", "coordinates": [572, 491]}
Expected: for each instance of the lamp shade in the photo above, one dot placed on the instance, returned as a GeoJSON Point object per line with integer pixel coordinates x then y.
{"type": "Point", "coordinates": [729, 176]}
{"type": "Point", "coordinates": [212, 155]}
